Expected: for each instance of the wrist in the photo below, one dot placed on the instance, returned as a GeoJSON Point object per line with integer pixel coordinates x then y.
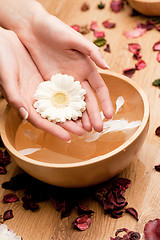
{"type": "Point", "coordinates": [19, 15]}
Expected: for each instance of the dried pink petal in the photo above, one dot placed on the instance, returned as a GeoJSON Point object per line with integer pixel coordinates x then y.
{"type": "Point", "coordinates": [137, 55]}
{"type": "Point", "coordinates": [133, 212]}
{"type": "Point", "coordinates": [99, 34]}
{"type": "Point", "coordinates": [10, 197]}
{"type": "Point", "coordinates": [29, 203]}
{"type": "Point", "coordinates": [8, 215]}
{"type": "Point", "coordinates": [82, 222]}
{"type": "Point", "coordinates": [108, 24]}
{"type": "Point", "coordinates": [94, 26]}
{"type": "Point", "coordinates": [76, 27]}
{"type": "Point", "coordinates": [107, 48]}
{"type": "Point", "coordinates": [129, 72]}
{"type": "Point", "coordinates": [152, 230]}
{"type": "Point", "coordinates": [156, 46]}
{"type": "Point", "coordinates": [116, 214]}
{"type": "Point", "coordinates": [121, 230]}
{"type": "Point", "coordinates": [117, 6]}
{"type": "Point", "coordinates": [158, 56]}
{"type": "Point", "coordinates": [140, 64]}
{"type": "Point", "coordinates": [157, 132]}
{"type": "Point", "coordinates": [137, 32]}
{"type": "Point", "coordinates": [82, 208]}
{"type": "Point", "coordinates": [134, 47]}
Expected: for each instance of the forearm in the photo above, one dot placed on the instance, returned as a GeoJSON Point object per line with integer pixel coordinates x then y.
{"type": "Point", "coordinates": [19, 14]}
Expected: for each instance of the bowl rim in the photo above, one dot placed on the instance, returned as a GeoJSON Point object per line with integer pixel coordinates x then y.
{"type": "Point", "coordinates": [95, 159]}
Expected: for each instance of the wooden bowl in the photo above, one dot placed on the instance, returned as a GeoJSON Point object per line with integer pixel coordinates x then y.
{"type": "Point", "coordinates": [95, 170]}
{"type": "Point", "coordinates": [146, 7]}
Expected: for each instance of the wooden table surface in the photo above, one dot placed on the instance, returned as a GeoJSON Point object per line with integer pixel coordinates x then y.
{"type": "Point", "coordinates": [144, 192]}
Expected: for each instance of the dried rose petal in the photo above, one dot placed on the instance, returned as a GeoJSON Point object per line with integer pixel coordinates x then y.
{"type": "Point", "coordinates": [137, 32]}
{"type": "Point", "coordinates": [140, 64]}
{"type": "Point", "coordinates": [133, 212]}
{"type": "Point", "coordinates": [149, 25]}
{"type": "Point", "coordinates": [108, 24]}
{"type": "Point", "coordinates": [158, 27]}
{"type": "Point", "coordinates": [134, 47]}
{"type": "Point", "coordinates": [121, 230]}
{"type": "Point", "coordinates": [156, 46]}
{"type": "Point", "coordinates": [117, 6]}
{"type": "Point", "coordinates": [5, 160]}
{"type": "Point", "coordinates": [3, 170]}
{"type": "Point", "coordinates": [82, 222]}
{"type": "Point", "coordinates": [8, 215]}
{"type": "Point", "coordinates": [82, 208]}
{"type": "Point", "coordinates": [107, 48]}
{"type": "Point", "coordinates": [157, 168]}
{"type": "Point", "coordinates": [99, 34]}
{"type": "Point", "coordinates": [10, 197]}
{"type": "Point", "coordinates": [29, 203]}
{"type": "Point", "coordinates": [137, 55]}
{"type": "Point", "coordinates": [158, 56]}
{"type": "Point", "coordinates": [100, 42]}
{"type": "Point", "coordinates": [152, 230]}
{"type": "Point", "coordinates": [76, 27]}
{"type": "Point", "coordinates": [156, 82]}
{"type": "Point", "coordinates": [157, 132]}
{"type": "Point", "coordinates": [94, 26]}
{"type": "Point", "coordinates": [129, 72]}
{"type": "Point", "coordinates": [116, 214]}
{"type": "Point", "coordinates": [85, 7]}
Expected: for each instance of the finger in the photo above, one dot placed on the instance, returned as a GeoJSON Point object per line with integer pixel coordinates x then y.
{"type": "Point", "coordinates": [73, 127]}
{"type": "Point", "coordinates": [86, 122]}
{"type": "Point", "coordinates": [102, 93]}
{"type": "Point", "coordinates": [92, 108]}
{"type": "Point", "coordinates": [48, 126]}
{"type": "Point", "coordinates": [88, 48]}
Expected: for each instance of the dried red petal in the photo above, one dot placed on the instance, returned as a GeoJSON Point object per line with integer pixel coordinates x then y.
{"type": "Point", "coordinates": [157, 132]}
{"type": "Point", "coordinates": [29, 203]}
{"type": "Point", "coordinates": [85, 7]}
{"type": "Point", "coordinates": [76, 27]}
{"type": "Point", "coordinates": [129, 72]}
{"type": "Point", "coordinates": [156, 46]}
{"type": "Point", "coordinates": [157, 168]}
{"type": "Point", "coordinates": [116, 214]}
{"type": "Point", "coordinates": [94, 26]}
{"type": "Point", "coordinates": [158, 56]}
{"type": "Point", "coordinates": [121, 230]}
{"type": "Point", "coordinates": [82, 222]}
{"type": "Point", "coordinates": [137, 32]}
{"type": "Point", "coordinates": [8, 215]}
{"type": "Point", "coordinates": [117, 6]}
{"type": "Point", "coordinates": [152, 229]}
{"type": "Point", "coordinates": [84, 29]}
{"type": "Point", "coordinates": [137, 55]}
{"type": "Point", "coordinates": [133, 212]}
{"type": "Point", "coordinates": [82, 208]}
{"type": "Point", "coordinates": [99, 34]}
{"type": "Point", "coordinates": [134, 47]}
{"type": "Point", "coordinates": [10, 197]}
{"type": "Point", "coordinates": [3, 170]}
{"type": "Point", "coordinates": [140, 64]}
{"type": "Point", "coordinates": [107, 48]}
{"type": "Point", "coordinates": [122, 183]}
{"type": "Point", "coordinates": [108, 24]}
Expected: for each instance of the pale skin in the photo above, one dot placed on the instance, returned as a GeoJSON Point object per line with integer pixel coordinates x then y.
{"type": "Point", "coordinates": [53, 47]}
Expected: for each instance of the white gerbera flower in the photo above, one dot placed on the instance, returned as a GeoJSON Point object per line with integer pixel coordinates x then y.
{"type": "Point", "coordinates": [6, 234]}
{"type": "Point", "coordinates": [60, 99]}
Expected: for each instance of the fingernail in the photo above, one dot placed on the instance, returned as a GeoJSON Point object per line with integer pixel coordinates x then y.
{"type": "Point", "coordinates": [23, 112]}
{"type": "Point", "coordinates": [106, 64]}
{"type": "Point", "coordinates": [68, 141]}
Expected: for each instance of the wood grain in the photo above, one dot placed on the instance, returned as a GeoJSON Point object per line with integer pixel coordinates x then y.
{"type": "Point", "coordinates": [144, 192]}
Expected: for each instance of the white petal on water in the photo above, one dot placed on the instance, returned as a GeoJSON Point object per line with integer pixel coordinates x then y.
{"type": "Point", "coordinates": [115, 125]}
{"type": "Point", "coordinates": [92, 137]}
{"type": "Point", "coordinates": [133, 124]}
{"type": "Point", "coordinates": [119, 103]}
{"type": "Point", "coordinates": [28, 151]}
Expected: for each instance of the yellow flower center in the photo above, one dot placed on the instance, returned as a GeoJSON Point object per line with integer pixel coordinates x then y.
{"type": "Point", "coordinates": [60, 99]}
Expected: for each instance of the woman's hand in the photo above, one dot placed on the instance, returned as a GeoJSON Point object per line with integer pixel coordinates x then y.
{"type": "Point", "coordinates": [19, 78]}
